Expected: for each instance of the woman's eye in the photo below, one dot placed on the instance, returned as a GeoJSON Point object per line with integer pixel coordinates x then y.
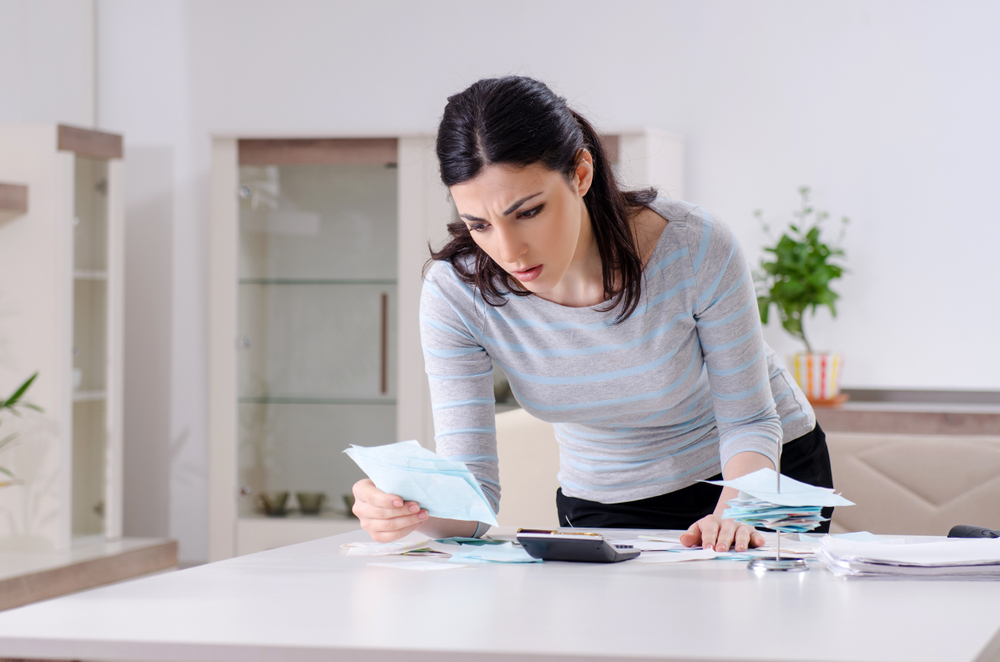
{"type": "Point", "coordinates": [531, 213]}
{"type": "Point", "coordinates": [477, 227]}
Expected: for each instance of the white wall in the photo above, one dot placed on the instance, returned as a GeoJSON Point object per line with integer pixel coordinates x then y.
{"type": "Point", "coordinates": [887, 109]}
{"type": "Point", "coordinates": [47, 61]}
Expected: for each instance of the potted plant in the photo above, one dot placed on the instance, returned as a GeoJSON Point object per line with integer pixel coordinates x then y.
{"type": "Point", "coordinates": [797, 277]}
{"type": "Point", "coordinates": [13, 404]}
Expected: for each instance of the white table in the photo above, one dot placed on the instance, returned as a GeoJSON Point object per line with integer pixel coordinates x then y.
{"type": "Point", "coordinates": [309, 602]}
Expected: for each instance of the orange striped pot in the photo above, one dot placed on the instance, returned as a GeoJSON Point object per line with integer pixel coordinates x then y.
{"type": "Point", "coordinates": [818, 375]}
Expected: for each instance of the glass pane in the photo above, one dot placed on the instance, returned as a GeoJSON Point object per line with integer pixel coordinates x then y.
{"type": "Point", "coordinates": [317, 340]}
{"type": "Point", "coordinates": [317, 326]}
{"type": "Point", "coordinates": [89, 334]}
{"type": "Point", "coordinates": [318, 222]}
{"type": "Point", "coordinates": [91, 215]}
{"type": "Point", "coordinates": [299, 448]}
{"type": "Point", "coordinates": [90, 310]}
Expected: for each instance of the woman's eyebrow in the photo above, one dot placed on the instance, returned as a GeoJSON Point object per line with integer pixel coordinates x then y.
{"type": "Point", "coordinates": [510, 210]}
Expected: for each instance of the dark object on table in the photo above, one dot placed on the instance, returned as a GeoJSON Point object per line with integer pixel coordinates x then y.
{"type": "Point", "coordinates": [579, 547]}
{"type": "Point", "coordinates": [969, 531]}
{"type": "Point", "coordinates": [310, 503]}
{"type": "Point", "coordinates": [273, 503]}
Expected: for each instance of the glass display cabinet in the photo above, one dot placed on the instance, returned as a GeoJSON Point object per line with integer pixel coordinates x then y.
{"type": "Point", "coordinates": [317, 251]}
{"type": "Point", "coordinates": [309, 355]}
{"type": "Point", "coordinates": [61, 268]}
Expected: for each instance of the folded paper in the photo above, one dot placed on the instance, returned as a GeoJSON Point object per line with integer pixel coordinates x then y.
{"type": "Point", "coordinates": [445, 488]}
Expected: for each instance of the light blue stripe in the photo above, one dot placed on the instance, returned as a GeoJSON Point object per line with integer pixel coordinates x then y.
{"type": "Point", "coordinates": [452, 353]}
{"type": "Point", "coordinates": [792, 417]}
{"type": "Point", "coordinates": [463, 403]}
{"type": "Point", "coordinates": [685, 284]}
{"type": "Point", "coordinates": [638, 483]}
{"type": "Point", "coordinates": [750, 417]}
{"type": "Point", "coordinates": [737, 285]}
{"type": "Point", "coordinates": [706, 236]}
{"type": "Point", "coordinates": [448, 433]}
{"type": "Point", "coordinates": [640, 460]}
{"type": "Point", "coordinates": [735, 343]}
{"type": "Point", "coordinates": [702, 324]}
{"type": "Point", "coordinates": [782, 395]}
{"type": "Point", "coordinates": [615, 401]}
{"type": "Point", "coordinates": [488, 373]}
{"type": "Point", "coordinates": [718, 279]}
{"type": "Point", "coordinates": [444, 327]}
{"type": "Point", "coordinates": [487, 480]}
{"type": "Point", "coordinates": [589, 351]}
{"type": "Point", "coordinates": [739, 368]}
{"type": "Point", "coordinates": [667, 261]}
{"type": "Point", "coordinates": [771, 438]}
{"type": "Point", "coordinates": [472, 458]}
{"type": "Point", "coordinates": [587, 379]}
{"type": "Point", "coordinates": [733, 397]}
{"type": "Point", "coordinates": [592, 326]}
{"type": "Point", "coordinates": [474, 331]}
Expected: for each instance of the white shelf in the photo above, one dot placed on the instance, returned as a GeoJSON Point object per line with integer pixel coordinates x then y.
{"type": "Point", "coordinates": [90, 274]}
{"type": "Point", "coordinates": [89, 396]}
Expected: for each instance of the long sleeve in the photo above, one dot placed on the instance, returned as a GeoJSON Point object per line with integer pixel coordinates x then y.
{"type": "Point", "coordinates": [728, 326]}
{"type": "Point", "coordinates": [460, 375]}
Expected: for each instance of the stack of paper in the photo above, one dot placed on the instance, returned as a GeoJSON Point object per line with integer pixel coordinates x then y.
{"type": "Point", "coordinates": [764, 514]}
{"type": "Point", "coordinates": [952, 558]}
{"type": "Point", "coordinates": [794, 507]}
{"type": "Point", "coordinates": [444, 488]}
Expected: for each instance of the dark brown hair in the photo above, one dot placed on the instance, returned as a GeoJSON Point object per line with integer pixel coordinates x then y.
{"type": "Point", "coordinates": [519, 121]}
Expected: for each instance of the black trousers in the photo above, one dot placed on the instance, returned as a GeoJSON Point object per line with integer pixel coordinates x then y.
{"type": "Point", "coordinates": [806, 459]}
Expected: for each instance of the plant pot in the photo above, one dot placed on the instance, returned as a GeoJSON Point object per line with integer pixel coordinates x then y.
{"type": "Point", "coordinates": [818, 375]}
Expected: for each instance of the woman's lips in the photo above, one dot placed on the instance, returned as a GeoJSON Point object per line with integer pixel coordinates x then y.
{"type": "Point", "coordinates": [528, 275]}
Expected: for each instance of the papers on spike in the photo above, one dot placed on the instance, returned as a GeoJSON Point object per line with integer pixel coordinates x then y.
{"type": "Point", "coordinates": [793, 509]}
{"type": "Point", "coordinates": [761, 514]}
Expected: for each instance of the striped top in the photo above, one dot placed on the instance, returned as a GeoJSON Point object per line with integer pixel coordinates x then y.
{"type": "Point", "coordinates": [640, 408]}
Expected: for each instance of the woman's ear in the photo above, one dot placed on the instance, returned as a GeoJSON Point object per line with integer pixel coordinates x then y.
{"type": "Point", "coordinates": [583, 176]}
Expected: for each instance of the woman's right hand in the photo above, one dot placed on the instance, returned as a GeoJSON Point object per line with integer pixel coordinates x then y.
{"type": "Point", "coordinates": [386, 517]}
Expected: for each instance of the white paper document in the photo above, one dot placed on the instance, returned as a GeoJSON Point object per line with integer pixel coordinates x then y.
{"type": "Point", "coordinates": [401, 546]}
{"type": "Point", "coordinates": [675, 556]}
{"type": "Point", "coordinates": [443, 487]}
{"type": "Point", "coordinates": [956, 558]}
{"type": "Point", "coordinates": [762, 485]}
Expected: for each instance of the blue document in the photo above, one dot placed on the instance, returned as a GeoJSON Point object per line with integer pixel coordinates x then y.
{"type": "Point", "coordinates": [445, 488]}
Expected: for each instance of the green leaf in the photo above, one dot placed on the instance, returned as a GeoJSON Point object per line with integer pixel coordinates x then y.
{"type": "Point", "coordinates": [7, 472]}
{"type": "Point", "coordinates": [12, 400]}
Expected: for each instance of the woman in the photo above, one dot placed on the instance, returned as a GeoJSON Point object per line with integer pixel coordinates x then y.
{"type": "Point", "coordinates": [627, 320]}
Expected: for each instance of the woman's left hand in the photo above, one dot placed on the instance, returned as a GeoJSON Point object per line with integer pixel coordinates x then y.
{"type": "Point", "coordinates": [713, 532]}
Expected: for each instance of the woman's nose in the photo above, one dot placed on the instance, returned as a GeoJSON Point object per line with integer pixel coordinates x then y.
{"type": "Point", "coordinates": [509, 244]}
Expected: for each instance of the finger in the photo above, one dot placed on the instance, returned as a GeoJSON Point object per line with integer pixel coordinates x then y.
{"type": "Point", "coordinates": [743, 538]}
{"type": "Point", "coordinates": [365, 509]}
{"type": "Point", "coordinates": [692, 536]}
{"type": "Point", "coordinates": [395, 523]}
{"type": "Point", "coordinates": [365, 490]}
{"type": "Point", "coordinates": [389, 536]}
{"type": "Point", "coordinates": [756, 539]}
{"type": "Point", "coordinates": [709, 532]}
{"type": "Point", "coordinates": [727, 531]}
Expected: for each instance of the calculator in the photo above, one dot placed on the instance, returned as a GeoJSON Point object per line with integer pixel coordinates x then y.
{"type": "Point", "coordinates": [580, 547]}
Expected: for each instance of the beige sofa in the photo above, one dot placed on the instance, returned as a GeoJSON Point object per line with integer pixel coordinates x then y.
{"type": "Point", "coordinates": [914, 484]}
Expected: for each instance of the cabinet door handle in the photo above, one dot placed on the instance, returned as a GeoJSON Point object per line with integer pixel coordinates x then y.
{"type": "Point", "coordinates": [384, 366]}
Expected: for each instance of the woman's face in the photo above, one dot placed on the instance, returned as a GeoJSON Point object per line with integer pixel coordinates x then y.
{"type": "Point", "coordinates": [531, 221]}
